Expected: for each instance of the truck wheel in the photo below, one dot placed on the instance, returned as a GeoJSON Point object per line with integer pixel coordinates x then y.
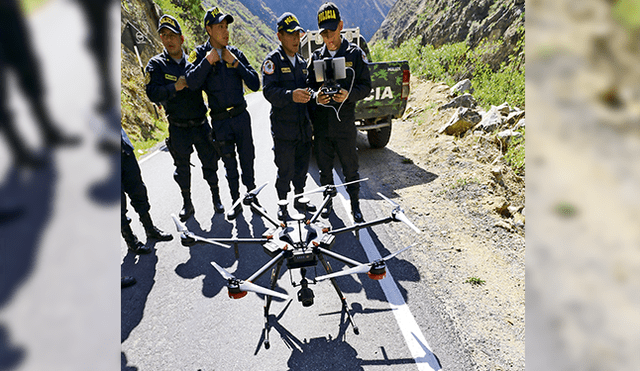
{"type": "Point", "coordinates": [378, 138]}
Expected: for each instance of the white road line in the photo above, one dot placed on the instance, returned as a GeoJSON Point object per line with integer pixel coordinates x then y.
{"type": "Point", "coordinates": [416, 342]}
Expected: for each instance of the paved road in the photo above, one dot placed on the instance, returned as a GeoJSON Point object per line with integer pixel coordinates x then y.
{"type": "Point", "coordinates": [179, 317]}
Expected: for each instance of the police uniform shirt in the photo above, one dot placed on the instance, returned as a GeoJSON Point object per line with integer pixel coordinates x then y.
{"type": "Point", "coordinates": [161, 74]}
{"type": "Point", "coordinates": [324, 119]}
{"type": "Point", "coordinates": [289, 120]}
{"type": "Point", "coordinates": [221, 82]}
{"type": "Point", "coordinates": [125, 144]}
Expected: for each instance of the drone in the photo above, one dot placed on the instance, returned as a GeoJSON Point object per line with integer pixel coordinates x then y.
{"type": "Point", "coordinates": [299, 242]}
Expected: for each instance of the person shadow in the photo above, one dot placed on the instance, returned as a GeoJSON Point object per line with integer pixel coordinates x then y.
{"type": "Point", "coordinates": [32, 192]}
{"type": "Point", "coordinates": [133, 299]}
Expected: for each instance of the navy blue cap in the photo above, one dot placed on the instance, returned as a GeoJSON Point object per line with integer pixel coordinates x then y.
{"type": "Point", "coordinates": [289, 23]}
{"type": "Point", "coordinates": [167, 21]}
{"type": "Point", "coordinates": [328, 17]}
{"type": "Point", "coordinates": [215, 16]}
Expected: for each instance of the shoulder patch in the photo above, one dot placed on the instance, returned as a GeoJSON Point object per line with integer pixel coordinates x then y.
{"type": "Point", "coordinates": [192, 56]}
{"type": "Point", "coordinates": [268, 67]}
{"type": "Point", "coordinates": [147, 78]}
{"type": "Point", "coordinates": [364, 57]}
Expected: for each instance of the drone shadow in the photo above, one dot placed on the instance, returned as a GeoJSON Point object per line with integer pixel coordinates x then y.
{"type": "Point", "coordinates": [347, 244]}
{"type": "Point", "coordinates": [325, 353]}
{"type": "Point", "coordinates": [251, 257]}
{"type": "Point", "coordinates": [133, 299]}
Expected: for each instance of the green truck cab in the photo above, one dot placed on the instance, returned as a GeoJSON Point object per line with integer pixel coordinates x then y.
{"type": "Point", "coordinates": [389, 88]}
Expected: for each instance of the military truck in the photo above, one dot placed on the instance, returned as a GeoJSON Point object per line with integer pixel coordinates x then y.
{"type": "Point", "coordinates": [389, 88]}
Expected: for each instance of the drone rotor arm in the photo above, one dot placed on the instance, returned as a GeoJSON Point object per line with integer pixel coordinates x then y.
{"type": "Point", "coordinates": [257, 190]}
{"type": "Point", "coordinates": [362, 268]}
{"type": "Point", "coordinates": [179, 225]}
{"type": "Point", "coordinates": [394, 204]}
{"type": "Point", "coordinates": [391, 256]}
{"type": "Point", "coordinates": [249, 286]}
{"type": "Point", "coordinates": [223, 272]}
{"type": "Point", "coordinates": [403, 218]}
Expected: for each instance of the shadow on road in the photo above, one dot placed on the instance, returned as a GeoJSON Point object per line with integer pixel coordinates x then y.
{"type": "Point", "coordinates": [133, 299]}
{"type": "Point", "coordinates": [31, 195]}
{"type": "Point", "coordinates": [381, 167]}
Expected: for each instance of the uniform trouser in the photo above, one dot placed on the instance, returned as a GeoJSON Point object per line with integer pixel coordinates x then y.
{"type": "Point", "coordinates": [345, 147]}
{"type": "Point", "coordinates": [182, 142]}
{"type": "Point", "coordinates": [236, 133]}
{"type": "Point", "coordinates": [292, 160]}
{"type": "Point", "coordinates": [18, 54]}
{"type": "Point", "coordinates": [133, 186]}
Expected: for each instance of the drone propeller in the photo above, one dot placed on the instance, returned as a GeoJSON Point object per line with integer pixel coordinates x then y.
{"type": "Point", "coordinates": [189, 237]}
{"type": "Point", "coordinates": [321, 189]}
{"type": "Point", "coordinates": [376, 270]}
{"type": "Point", "coordinates": [252, 193]}
{"type": "Point", "coordinates": [239, 288]}
{"type": "Point", "coordinates": [398, 214]}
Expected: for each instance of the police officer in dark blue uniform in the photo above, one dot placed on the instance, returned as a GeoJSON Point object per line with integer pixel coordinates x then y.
{"type": "Point", "coordinates": [220, 69]}
{"type": "Point", "coordinates": [333, 116]}
{"type": "Point", "coordinates": [133, 186]}
{"type": "Point", "coordinates": [186, 113]}
{"type": "Point", "coordinates": [284, 79]}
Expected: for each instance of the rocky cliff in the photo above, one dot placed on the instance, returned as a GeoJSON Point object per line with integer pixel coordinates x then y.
{"type": "Point", "coordinates": [440, 22]}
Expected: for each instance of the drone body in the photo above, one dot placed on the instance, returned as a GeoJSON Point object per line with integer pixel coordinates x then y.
{"type": "Point", "coordinates": [301, 242]}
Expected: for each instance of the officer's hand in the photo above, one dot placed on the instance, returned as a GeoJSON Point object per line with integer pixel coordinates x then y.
{"type": "Point", "coordinates": [341, 96]}
{"type": "Point", "coordinates": [212, 56]}
{"type": "Point", "coordinates": [228, 57]}
{"type": "Point", "coordinates": [301, 96]}
{"type": "Point", "coordinates": [323, 98]}
{"type": "Point", "coordinates": [181, 83]}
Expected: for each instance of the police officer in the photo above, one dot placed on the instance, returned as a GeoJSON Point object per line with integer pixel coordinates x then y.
{"type": "Point", "coordinates": [220, 69]}
{"type": "Point", "coordinates": [284, 78]}
{"type": "Point", "coordinates": [186, 113]}
{"type": "Point", "coordinates": [333, 116]}
{"type": "Point", "coordinates": [133, 186]}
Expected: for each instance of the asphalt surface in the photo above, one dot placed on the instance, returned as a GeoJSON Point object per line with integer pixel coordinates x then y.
{"type": "Point", "coordinates": [179, 316]}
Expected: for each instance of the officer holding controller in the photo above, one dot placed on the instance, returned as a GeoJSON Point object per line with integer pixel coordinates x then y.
{"type": "Point", "coordinates": [284, 75]}
{"type": "Point", "coordinates": [333, 116]}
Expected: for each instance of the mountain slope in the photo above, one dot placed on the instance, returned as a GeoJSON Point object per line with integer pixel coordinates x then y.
{"type": "Point", "coordinates": [366, 14]}
{"type": "Point", "coordinates": [442, 22]}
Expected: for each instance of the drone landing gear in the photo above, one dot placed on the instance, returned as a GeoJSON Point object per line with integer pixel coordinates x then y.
{"type": "Point", "coordinates": [345, 305]}
{"type": "Point", "coordinates": [275, 273]}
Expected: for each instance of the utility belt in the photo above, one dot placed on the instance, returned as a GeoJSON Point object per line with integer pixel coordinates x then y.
{"type": "Point", "coordinates": [229, 112]}
{"type": "Point", "coordinates": [187, 123]}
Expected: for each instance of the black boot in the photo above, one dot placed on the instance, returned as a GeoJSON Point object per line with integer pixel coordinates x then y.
{"type": "Point", "coordinates": [134, 245]}
{"type": "Point", "coordinates": [355, 210]}
{"type": "Point", "coordinates": [217, 203]}
{"type": "Point", "coordinates": [187, 207]}
{"type": "Point", "coordinates": [326, 211]}
{"type": "Point", "coordinates": [310, 207]}
{"type": "Point", "coordinates": [126, 281]}
{"type": "Point", "coordinates": [231, 215]}
{"type": "Point", "coordinates": [152, 231]}
{"type": "Point", "coordinates": [282, 209]}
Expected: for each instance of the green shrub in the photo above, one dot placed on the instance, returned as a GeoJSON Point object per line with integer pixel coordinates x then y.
{"type": "Point", "coordinates": [514, 157]}
{"type": "Point", "coordinates": [451, 63]}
